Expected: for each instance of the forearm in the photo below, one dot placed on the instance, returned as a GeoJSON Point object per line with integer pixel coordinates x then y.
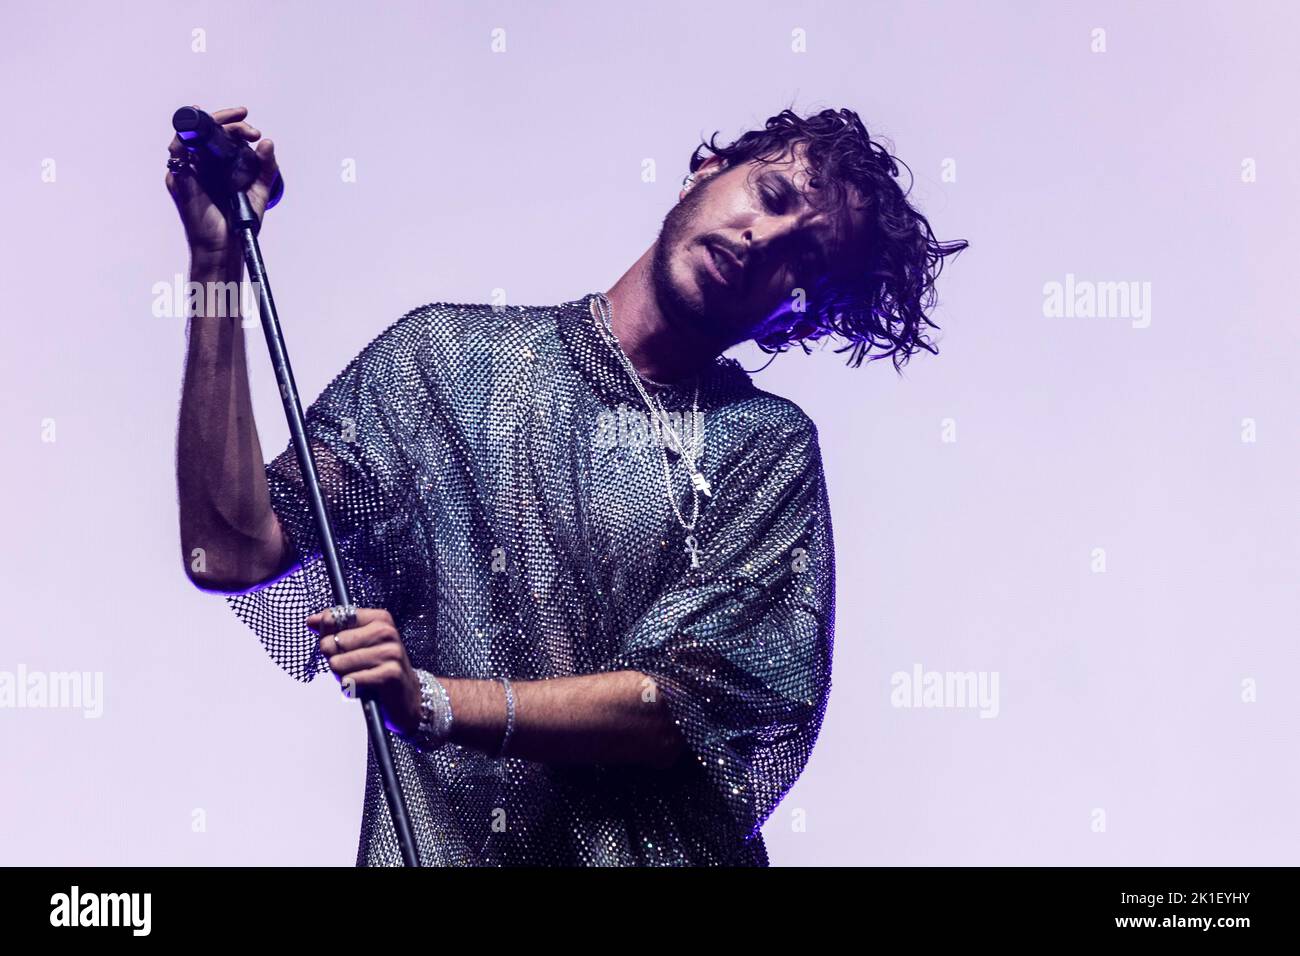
{"type": "Point", "coordinates": [230, 538]}
{"type": "Point", "coordinates": [618, 718]}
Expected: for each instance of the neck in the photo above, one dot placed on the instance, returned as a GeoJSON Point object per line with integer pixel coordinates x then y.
{"type": "Point", "coordinates": [659, 350]}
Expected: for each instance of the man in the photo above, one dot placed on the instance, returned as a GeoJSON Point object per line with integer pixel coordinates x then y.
{"type": "Point", "coordinates": [593, 563]}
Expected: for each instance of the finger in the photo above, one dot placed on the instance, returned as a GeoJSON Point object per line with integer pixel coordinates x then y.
{"type": "Point", "coordinates": [230, 114]}
{"type": "Point", "coordinates": [266, 153]}
{"type": "Point", "coordinates": [364, 659]}
{"type": "Point", "coordinates": [368, 683]}
{"type": "Point", "coordinates": [244, 131]}
{"type": "Point", "coordinates": [182, 186]}
{"type": "Point", "coordinates": [322, 622]}
{"type": "Point", "coordinates": [376, 632]}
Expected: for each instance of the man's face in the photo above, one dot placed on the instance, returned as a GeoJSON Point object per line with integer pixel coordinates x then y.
{"type": "Point", "coordinates": [733, 251]}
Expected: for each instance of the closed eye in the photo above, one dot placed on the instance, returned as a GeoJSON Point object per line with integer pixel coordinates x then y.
{"type": "Point", "coordinates": [776, 200]}
{"type": "Point", "coordinates": [771, 201]}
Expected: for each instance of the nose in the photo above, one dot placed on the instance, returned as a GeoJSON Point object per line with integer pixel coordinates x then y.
{"type": "Point", "coordinates": [768, 236]}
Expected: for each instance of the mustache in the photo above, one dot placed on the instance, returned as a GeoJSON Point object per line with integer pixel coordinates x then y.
{"type": "Point", "coordinates": [743, 257]}
{"type": "Point", "coordinates": [735, 251]}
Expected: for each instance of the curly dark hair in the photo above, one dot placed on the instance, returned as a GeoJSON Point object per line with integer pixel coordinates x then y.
{"type": "Point", "coordinates": [883, 303]}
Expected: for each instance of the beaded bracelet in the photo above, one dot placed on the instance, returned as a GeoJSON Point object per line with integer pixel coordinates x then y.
{"type": "Point", "coordinates": [435, 714]}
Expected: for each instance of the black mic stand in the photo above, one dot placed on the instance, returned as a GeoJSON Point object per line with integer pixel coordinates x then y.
{"type": "Point", "coordinates": [226, 172]}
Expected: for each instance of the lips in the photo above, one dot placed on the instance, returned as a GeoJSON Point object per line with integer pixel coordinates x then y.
{"type": "Point", "coordinates": [727, 265]}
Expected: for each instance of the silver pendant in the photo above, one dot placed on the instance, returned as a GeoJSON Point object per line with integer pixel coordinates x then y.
{"type": "Point", "coordinates": [693, 549]}
{"type": "Point", "coordinates": [701, 484]}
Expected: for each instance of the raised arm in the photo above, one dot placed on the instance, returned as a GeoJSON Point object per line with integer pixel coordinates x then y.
{"type": "Point", "coordinates": [229, 536]}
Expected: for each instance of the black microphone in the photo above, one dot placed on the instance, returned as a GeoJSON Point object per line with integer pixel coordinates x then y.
{"type": "Point", "coordinates": [224, 163]}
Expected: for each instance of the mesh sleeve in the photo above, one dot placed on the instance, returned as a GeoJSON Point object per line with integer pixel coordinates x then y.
{"type": "Point", "coordinates": [741, 648]}
{"type": "Point", "coordinates": [355, 431]}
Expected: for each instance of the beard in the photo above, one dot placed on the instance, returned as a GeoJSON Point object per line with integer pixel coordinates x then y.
{"type": "Point", "coordinates": [678, 308]}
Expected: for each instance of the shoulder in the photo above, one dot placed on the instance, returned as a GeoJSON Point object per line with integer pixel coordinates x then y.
{"type": "Point", "coordinates": [446, 339]}
{"type": "Point", "coordinates": [460, 320]}
{"type": "Point", "coordinates": [761, 431]}
{"type": "Point", "coordinates": [764, 417]}
{"type": "Point", "coordinates": [441, 330]}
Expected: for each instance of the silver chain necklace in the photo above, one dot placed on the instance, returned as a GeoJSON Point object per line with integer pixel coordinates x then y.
{"type": "Point", "coordinates": [690, 453]}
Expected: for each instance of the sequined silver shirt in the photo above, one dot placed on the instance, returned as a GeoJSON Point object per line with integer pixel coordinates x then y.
{"type": "Point", "coordinates": [491, 483]}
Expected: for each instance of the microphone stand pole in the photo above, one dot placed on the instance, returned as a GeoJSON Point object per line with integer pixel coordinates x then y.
{"type": "Point", "coordinates": [243, 218]}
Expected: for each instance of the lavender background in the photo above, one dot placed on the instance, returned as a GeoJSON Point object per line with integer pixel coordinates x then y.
{"type": "Point", "coordinates": [521, 170]}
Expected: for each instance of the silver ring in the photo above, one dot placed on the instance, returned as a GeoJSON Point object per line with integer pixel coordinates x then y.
{"type": "Point", "coordinates": [179, 167]}
{"type": "Point", "coordinates": [345, 616]}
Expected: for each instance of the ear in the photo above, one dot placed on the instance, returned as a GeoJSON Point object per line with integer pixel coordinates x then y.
{"type": "Point", "coordinates": [710, 167]}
